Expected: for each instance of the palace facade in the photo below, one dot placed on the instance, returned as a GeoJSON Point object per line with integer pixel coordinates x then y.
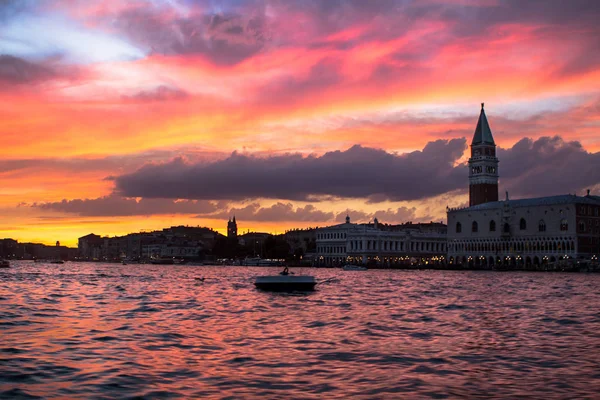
{"type": "Point", "coordinates": [381, 245]}
{"type": "Point", "coordinates": [519, 232]}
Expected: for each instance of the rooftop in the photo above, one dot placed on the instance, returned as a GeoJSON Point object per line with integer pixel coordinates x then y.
{"type": "Point", "coordinates": [537, 201]}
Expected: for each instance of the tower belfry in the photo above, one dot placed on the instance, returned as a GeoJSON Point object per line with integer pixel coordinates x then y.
{"type": "Point", "coordinates": [232, 228]}
{"type": "Point", "coordinates": [483, 164]}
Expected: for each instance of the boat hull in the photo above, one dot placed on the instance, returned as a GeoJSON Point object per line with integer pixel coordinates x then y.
{"type": "Point", "coordinates": [283, 283]}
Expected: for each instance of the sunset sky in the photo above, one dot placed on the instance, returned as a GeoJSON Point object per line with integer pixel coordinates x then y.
{"type": "Point", "coordinates": [121, 116]}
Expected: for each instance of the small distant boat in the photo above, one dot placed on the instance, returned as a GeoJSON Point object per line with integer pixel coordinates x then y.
{"type": "Point", "coordinates": [4, 264]}
{"type": "Point", "coordinates": [348, 267]}
{"type": "Point", "coordinates": [286, 283]}
{"type": "Point", "coordinates": [56, 262]}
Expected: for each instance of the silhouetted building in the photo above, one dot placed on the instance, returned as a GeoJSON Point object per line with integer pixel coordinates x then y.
{"type": "Point", "coordinates": [232, 228]}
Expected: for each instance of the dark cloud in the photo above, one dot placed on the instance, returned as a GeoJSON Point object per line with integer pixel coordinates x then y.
{"type": "Point", "coordinates": [547, 166]}
{"type": "Point", "coordinates": [358, 172]}
{"type": "Point", "coordinates": [119, 206]}
{"type": "Point", "coordinates": [160, 93]}
{"type": "Point", "coordinates": [12, 8]}
{"type": "Point", "coordinates": [20, 73]}
{"type": "Point", "coordinates": [224, 38]}
{"type": "Point", "coordinates": [277, 212]}
{"type": "Point", "coordinates": [389, 216]}
{"type": "Point", "coordinates": [530, 168]}
{"type": "Point", "coordinates": [14, 71]}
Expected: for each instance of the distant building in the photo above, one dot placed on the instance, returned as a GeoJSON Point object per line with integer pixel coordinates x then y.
{"type": "Point", "coordinates": [176, 241]}
{"type": "Point", "coordinates": [302, 240]}
{"type": "Point", "coordinates": [232, 230]}
{"type": "Point", "coordinates": [90, 247]}
{"type": "Point", "coordinates": [523, 232]}
{"type": "Point", "coordinates": [8, 248]}
{"type": "Point", "coordinates": [381, 245]}
{"type": "Point", "coordinates": [254, 241]}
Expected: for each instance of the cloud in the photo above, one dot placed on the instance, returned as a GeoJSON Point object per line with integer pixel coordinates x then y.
{"type": "Point", "coordinates": [119, 206]}
{"type": "Point", "coordinates": [160, 93]}
{"type": "Point", "coordinates": [358, 172]}
{"type": "Point", "coordinates": [388, 216]}
{"type": "Point", "coordinates": [225, 38]}
{"type": "Point", "coordinates": [276, 212]}
{"type": "Point", "coordinates": [548, 166]}
{"type": "Point", "coordinates": [17, 71]}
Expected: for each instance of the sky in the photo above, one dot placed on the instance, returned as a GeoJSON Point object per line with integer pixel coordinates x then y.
{"type": "Point", "coordinates": [118, 117]}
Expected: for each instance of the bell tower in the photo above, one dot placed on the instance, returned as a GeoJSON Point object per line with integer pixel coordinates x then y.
{"type": "Point", "coordinates": [232, 228]}
{"type": "Point", "coordinates": [483, 164]}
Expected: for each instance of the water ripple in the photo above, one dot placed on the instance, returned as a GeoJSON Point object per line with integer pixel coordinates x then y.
{"type": "Point", "coordinates": [142, 331]}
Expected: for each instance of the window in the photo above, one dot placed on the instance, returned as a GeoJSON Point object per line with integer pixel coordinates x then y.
{"type": "Point", "coordinates": [506, 228]}
{"type": "Point", "coordinates": [458, 227]}
{"type": "Point", "coordinates": [542, 226]}
{"type": "Point", "coordinates": [523, 224]}
{"type": "Point", "coordinates": [564, 225]}
{"type": "Point", "coordinates": [492, 226]}
{"type": "Point", "coordinates": [581, 226]}
{"type": "Point", "coordinates": [474, 227]}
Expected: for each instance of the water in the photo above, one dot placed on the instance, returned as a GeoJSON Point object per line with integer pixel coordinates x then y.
{"type": "Point", "coordinates": [113, 331]}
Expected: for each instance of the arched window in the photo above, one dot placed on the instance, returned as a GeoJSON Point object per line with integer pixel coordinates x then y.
{"type": "Point", "coordinates": [458, 227]}
{"type": "Point", "coordinates": [474, 227]}
{"type": "Point", "coordinates": [581, 226]}
{"type": "Point", "coordinates": [564, 225]}
{"type": "Point", "coordinates": [492, 226]}
{"type": "Point", "coordinates": [506, 228]}
{"type": "Point", "coordinates": [523, 224]}
{"type": "Point", "coordinates": [542, 226]}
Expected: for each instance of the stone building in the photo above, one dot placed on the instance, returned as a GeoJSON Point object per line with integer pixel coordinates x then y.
{"type": "Point", "coordinates": [523, 232]}
{"type": "Point", "coordinates": [381, 245]}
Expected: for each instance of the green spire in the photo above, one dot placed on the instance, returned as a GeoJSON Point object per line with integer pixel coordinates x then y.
{"type": "Point", "coordinates": [483, 133]}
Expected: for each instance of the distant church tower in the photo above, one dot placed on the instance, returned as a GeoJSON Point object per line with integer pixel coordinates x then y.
{"type": "Point", "coordinates": [483, 164]}
{"type": "Point", "coordinates": [232, 228]}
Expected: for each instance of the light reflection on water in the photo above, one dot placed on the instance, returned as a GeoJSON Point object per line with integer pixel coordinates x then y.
{"type": "Point", "coordinates": [113, 331]}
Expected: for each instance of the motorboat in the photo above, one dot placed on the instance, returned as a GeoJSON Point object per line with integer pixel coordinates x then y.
{"type": "Point", "coordinates": [286, 282]}
{"type": "Point", "coordinates": [4, 264]}
{"type": "Point", "coordinates": [349, 267]}
{"type": "Point", "coordinates": [56, 262]}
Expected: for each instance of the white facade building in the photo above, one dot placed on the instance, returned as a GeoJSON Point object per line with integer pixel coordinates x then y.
{"type": "Point", "coordinates": [381, 245]}
{"type": "Point", "coordinates": [524, 232]}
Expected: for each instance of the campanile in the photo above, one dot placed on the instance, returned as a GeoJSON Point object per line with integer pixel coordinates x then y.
{"type": "Point", "coordinates": [483, 164]}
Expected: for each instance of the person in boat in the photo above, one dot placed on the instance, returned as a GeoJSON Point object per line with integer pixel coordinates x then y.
{"type": "Point", "coordinates": [285, 271]}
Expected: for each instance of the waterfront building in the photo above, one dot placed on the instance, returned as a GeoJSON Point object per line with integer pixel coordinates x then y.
{"type": "Point", "coordinates": [90, 247]}
{"type": "Point", "coordinates": [522, 232]}
{"type": "Point", "coordinates": [381, 245]}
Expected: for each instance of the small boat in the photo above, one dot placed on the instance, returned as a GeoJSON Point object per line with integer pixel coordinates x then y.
{"type": "Point", "coordinates": [56, 262]}
{"type": "Point", "coordinates": [4, 264]}
{"type": "Point", "coordinates": [284, 282]}
{"type": "Point", "coordinates": [348, 267]}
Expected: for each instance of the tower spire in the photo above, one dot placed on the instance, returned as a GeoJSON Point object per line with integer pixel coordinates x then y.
{"type": "Point", "coordinates": [483, 164]}
{"type": "Point", "coordinates": [483, 133]}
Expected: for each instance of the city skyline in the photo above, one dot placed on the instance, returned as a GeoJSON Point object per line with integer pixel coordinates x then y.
{"type": "Point", "coordinates": [121, 118]}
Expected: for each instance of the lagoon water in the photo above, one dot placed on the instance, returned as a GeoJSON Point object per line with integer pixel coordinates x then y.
{"type": "Point", "coordinates": [141, 331]}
